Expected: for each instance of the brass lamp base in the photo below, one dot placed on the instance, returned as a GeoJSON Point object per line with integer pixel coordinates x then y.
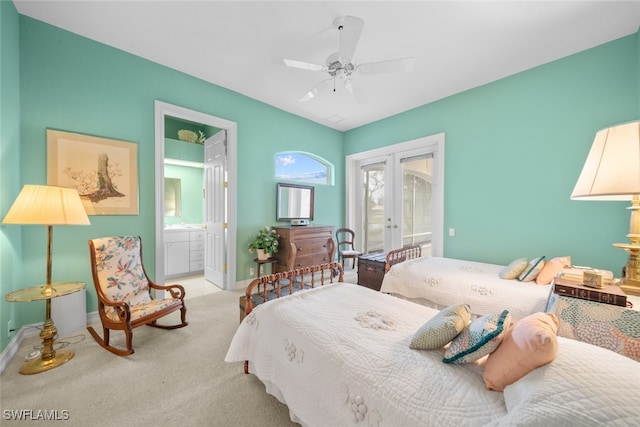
{"type": "Point", "coordinates": [631, 280]}
{"type": "Point", "coordinates": [38, 365]}
{"type": "Point", "coordinates": [630, 287]}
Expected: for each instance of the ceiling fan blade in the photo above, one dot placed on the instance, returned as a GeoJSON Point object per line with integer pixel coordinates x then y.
{"type": "Point", "coordinates": [300, 64]}
{"type": "Point", "coordinates": [320, 87]}
{"type": "Point", "coordinates": [390, 66]}
{"type": "Point", "coordinates": [350, 28]}
{"type": "Point", "coordinates": [358, 95]}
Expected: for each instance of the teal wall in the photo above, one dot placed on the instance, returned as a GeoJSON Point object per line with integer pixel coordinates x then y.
{"type": "Point", "coordinates": [72, 83]}
{"type": "Point", "coordinates": [10, 242]}
{"type": "Point", "coordinates": [514, 150]}
{"type": "Point", "coordinates": [175, 149]}
{"type": "Point", "coordinates": [192, 185]}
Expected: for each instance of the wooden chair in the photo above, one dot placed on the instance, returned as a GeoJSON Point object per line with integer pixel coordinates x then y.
{"type": "Point", "coordinates": [124, 291]}
{"type": "Point", "coordinates": [346, 245]}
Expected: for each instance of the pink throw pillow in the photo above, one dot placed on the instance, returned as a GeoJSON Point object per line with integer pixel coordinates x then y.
{"type": "Point", "coordinates": [529, 344]}
{"type": "Point", "coordinates": [552, 268]}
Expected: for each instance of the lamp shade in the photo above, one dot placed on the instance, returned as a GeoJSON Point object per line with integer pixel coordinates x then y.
{"type": "Point", "coordinates": [612, 168]}
{"type": "Point", "coordinates": [47, 205]}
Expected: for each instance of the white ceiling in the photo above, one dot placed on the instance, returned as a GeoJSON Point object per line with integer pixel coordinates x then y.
{"type": "Point", "coordinates": [457, 45]}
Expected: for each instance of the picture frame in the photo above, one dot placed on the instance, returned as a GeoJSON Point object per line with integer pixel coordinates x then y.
{"type": "Point", "coordinates": [103, 170]}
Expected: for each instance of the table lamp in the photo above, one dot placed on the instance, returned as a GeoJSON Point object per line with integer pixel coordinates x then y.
{"type": "Point", "coordinates": [612, 172]}
{"type": "Point", "coordinates": [49, 206]}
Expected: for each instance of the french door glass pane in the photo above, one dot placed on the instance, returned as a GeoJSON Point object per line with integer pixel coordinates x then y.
{"type": "Point", "coordinates": [373, 207]}
{"type": "Point", "coordinates": [417, 181]}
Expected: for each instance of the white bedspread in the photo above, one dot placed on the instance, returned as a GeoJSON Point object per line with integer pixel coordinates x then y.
{"type": "Point", "coordinates": [315, 349]}
{"type": "Point", "coordinates": [338, 350]}
{"type": "Point", "coordinates": [439, 282]}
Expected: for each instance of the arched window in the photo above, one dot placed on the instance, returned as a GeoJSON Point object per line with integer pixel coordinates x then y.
{"type": "Point", "coordinates": [303, 167]}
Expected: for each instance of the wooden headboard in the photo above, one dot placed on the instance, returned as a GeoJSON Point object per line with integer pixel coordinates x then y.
{"type": "Point", "coordinates": [397, 256]}
{"type": "Point", "coordinates": [285, 283]}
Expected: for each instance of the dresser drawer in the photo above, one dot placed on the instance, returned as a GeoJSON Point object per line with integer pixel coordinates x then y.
{"type": "Point", "coordinates": [309, 260]}
{"type": "Point", "coordinates": [176, 236]}
{"type": "Point", "coordinates": [310, 247]}
{"type": "Point", "coordinates": [198, 245]}
{"type": "Point", "coordinates": [196, 235]}
{"type": "Point", "coordinates": [196, 265]}
{"type": "Point", "coordinates": [196, 255]}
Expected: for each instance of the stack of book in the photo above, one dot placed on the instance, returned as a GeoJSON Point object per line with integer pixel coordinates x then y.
{"type": "Point", "coordinates": [609, 294]}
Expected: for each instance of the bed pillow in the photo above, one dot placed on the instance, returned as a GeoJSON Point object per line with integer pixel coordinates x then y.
{"type": "Point", "coordinates": [585, 385]}
{"type": "Point", "coordinates": [552, 268]}
{"type": "Point", "coordinates": [532, 269]}
{"type": "Point", "coordinates": [531, 343]}
{"type": "Point", "coordinates": [513, 270]}
{"type": "Point", "coordinates": [442, 328]}
{"type": "Point", "coordinates": [478, 339]}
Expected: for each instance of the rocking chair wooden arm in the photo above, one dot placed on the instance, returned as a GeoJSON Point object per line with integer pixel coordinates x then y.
{"type": "Point", "coordinates": [121, 308]}
{"type": "Point", "coordinates": [176, 291]}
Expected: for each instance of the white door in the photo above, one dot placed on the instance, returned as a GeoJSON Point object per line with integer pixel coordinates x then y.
{"type": "Point", "coordinates": [215, 174]}
{"type": "Point", "coordinates": [395, 196]}
{"type": "Point", "coordinates": [396, 201]}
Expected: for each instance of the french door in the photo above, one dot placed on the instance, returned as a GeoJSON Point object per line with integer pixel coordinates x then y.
{"type": "Point", "coordinates": [398, 197]}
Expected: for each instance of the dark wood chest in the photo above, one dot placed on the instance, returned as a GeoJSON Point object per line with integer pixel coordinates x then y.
{"type": "Point", "coordinates": [303, 246]}
{"type": "Point", "coordinates": [371, 270]}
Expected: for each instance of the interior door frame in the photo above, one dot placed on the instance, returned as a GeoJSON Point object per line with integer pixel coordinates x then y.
{"type": "Point", "coordinates": [162, 109]}
{"type": "Point", "coordinates": [433, 143]}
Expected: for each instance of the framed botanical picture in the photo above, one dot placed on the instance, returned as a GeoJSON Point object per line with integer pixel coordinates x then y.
{"type": "Point", "coordinates": [104, 171]}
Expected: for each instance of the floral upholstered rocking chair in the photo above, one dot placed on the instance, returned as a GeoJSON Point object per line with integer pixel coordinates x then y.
{"type": "Point", "coordinates": [124, 291]}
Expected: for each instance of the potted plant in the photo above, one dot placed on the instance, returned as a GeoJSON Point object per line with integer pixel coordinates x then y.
{"type": "Point", "coordinates": [265, 243]}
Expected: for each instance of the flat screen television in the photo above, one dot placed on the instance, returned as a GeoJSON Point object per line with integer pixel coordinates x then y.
{"type": "Point", "coordinates": [294, 202]}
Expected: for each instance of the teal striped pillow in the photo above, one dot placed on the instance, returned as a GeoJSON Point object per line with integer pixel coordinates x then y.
{"type": "Point", "coordinates": [480, 338]}
{"type": "Point", "coordinates": [532, 270]}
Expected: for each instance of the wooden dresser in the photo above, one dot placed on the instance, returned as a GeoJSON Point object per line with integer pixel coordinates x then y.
{"type": "Point", "coordinates": [303, 246]}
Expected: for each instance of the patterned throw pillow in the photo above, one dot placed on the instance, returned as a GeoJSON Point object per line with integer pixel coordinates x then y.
{"type": "Point", "coordinates": [532, 270]}
{"type": "Point", "coordinates": [513, 270]}
{"type": "Point", "coordinates": [442, 328]}
{"type": "Point", "coordinates": [480, 338]}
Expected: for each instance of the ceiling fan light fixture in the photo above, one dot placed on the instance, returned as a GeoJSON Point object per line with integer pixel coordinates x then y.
{"type": "Point", "coordinates": [340, 64]}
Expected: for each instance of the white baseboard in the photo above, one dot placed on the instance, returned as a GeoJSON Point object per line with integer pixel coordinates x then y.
{"type": "Point", "coordinates": [28, 331]}
{"type": "Point", "coordinates": [11, 349]}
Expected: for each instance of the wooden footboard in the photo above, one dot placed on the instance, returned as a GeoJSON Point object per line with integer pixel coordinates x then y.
{"type": "Point", "coordinates": [397, 256]}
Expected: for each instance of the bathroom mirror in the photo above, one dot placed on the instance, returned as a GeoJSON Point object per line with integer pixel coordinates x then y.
{"type": "Point", "coordinates": [172, 197]}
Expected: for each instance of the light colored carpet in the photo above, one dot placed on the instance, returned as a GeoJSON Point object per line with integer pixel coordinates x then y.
{"type": "Point", "coordinates": [174, 378]}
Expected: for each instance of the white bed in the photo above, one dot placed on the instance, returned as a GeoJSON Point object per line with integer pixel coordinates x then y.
{"type": "Point", "coordinates": [438, 282]}
{"type": "Point", "coordinates": [332, 352]}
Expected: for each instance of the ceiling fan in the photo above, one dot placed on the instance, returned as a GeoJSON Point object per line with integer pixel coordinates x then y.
{"type": "Point", "coordinates": [340, 64]}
